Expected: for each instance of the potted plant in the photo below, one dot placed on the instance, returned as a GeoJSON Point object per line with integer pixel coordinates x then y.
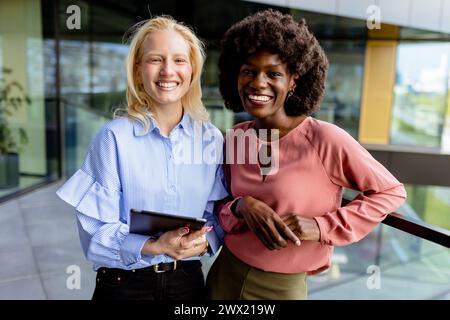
{"type": "Point", "coordinates": [12, 98]}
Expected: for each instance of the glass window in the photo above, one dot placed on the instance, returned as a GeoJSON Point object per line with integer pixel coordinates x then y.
{"type": "Point", "coordinates": [387, 264]}
{"type": "Point", "coordinates": [92, 72]}
{"type": "Point", "coordinates": [342, 100]}
{"type": "Point", "coordinates": [428, 203]}
{"type": "Point", "coordinates": [420, 94]}
{"type": "Point", "coordinates": [25, 99]}
{"type": "Point", "coordinates": [344, 41]}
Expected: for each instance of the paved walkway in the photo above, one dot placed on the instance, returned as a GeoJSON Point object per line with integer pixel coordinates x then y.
{"type": "Point", "coordinates": [40, 255]}
{"type": "Point", "coordinates": [40, 250]}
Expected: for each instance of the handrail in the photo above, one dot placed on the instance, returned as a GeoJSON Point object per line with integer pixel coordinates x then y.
{"type": "Point", "coordinates": [415, 227]}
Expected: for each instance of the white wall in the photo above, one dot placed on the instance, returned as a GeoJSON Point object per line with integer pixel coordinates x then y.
{"type": "Point", "coordinates": [422, 14]}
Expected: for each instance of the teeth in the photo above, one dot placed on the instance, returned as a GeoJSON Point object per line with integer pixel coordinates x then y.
{"type": "Point", "coordinates": [259, 98]}
{"type": "Point", "coordinates": [167, 84]}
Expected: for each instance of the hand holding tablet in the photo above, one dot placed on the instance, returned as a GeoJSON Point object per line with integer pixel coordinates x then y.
{"type": "Point", "coordinates": [149, 222]}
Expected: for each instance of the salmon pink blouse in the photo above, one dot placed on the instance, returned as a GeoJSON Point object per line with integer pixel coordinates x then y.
{"type": "Point", "coordinates": [316, 161]}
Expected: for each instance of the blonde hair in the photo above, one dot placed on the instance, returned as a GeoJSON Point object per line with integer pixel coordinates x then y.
{"type": "Point", "coordinates": [139, 103]}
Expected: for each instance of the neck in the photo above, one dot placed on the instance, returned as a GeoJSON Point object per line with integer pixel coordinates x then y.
{"type": "Point", "coordinates": [168, 117]}
{"type": "Point", "coordinates": [284, 124]}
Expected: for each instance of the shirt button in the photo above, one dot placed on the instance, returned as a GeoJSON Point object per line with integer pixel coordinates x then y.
{"type": "Point", "coordinates": [172, 187]}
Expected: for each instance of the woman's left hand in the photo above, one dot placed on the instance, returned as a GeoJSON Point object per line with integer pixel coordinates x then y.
{"type": "Point", "coordinates": [303, 228]}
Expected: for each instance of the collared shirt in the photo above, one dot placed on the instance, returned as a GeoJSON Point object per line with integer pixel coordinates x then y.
{"type": "Point", "coordinates": [315, 161]}
{"type": "Point", "coordinates": [126, 169]}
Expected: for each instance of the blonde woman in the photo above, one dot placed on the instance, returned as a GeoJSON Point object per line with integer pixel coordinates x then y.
{"type": "Point", "coordinates": [147, 160]}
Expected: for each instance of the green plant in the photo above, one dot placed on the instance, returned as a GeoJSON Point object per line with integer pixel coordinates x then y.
{"type": "Point", "coordinates": [12, 98]}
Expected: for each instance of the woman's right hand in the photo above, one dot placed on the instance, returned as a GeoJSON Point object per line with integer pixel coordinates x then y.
{"type": "Point", "coordinates": [265, 223]}
{"type": "Point", "coordinates": [178, 244]}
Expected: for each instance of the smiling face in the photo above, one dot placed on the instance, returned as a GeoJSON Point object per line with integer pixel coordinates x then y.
{"type": "Point", "coordinates": [165, 69]}
{"type": "Point", "coordinates": [263, 84]}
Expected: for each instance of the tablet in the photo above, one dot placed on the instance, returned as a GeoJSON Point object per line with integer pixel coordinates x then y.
{"type": "Point", "coordinates": [149, 222]}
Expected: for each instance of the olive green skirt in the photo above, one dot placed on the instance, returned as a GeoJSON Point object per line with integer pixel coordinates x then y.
{"type": "Point", "coordinates": [231, 279]}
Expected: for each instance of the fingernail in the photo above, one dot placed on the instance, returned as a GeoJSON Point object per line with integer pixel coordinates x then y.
{"type": "Point", "coordinates": [298, 243]}
{"type": "Point", "coordinates": [208, 229]}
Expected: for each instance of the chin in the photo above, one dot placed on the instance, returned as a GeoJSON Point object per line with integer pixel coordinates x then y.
{"type": "Point", "coordinates": [256, 113]}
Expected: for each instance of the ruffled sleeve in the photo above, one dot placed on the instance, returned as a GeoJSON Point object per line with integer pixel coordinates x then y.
{"type": "Point", "coordinates": [95, 189]}
{"type": "Point", "coordinates": [90, 198]}
{"type": "Point", "coordinates": [95, 192]}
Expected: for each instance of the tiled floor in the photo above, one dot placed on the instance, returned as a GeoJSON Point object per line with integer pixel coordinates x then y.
{"type": "Point", "coordinates": [38, 243]}
{"type": "Point", "coordinates": [40, 249]}
{"type": "Point", "coordinates": [41, 256]}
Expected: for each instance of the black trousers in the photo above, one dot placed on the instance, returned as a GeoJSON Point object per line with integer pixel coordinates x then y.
{"type": "Point", "coordinates": [185, 283]}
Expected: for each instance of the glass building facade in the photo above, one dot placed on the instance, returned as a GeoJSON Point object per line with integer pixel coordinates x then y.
{"type": "Point", "coordinates": [60, 82]}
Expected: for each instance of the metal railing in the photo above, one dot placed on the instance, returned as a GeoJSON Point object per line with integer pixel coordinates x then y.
{"type": "Point", "coordinates": [415, 227]}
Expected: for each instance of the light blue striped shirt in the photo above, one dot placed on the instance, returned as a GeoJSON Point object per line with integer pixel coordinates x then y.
{"type": "Point", "coordinates": [125, 169]}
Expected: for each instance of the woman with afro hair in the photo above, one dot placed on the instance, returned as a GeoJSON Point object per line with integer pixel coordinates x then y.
{"type": "Point", "coordinates": [286, 170]}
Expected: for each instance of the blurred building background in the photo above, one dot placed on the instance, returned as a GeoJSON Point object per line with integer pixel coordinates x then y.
{"type": "Point", "coordinates": [388, 86]}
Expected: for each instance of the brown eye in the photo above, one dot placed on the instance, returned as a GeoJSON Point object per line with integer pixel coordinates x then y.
{"type": "Point", "coordinates": [274, 74]}
{"type": "Point", "coordinates": [247, 72]}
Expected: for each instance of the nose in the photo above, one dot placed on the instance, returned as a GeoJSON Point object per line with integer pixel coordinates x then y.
{"type": "Point", "coordinates": [259, 81]}
{"type": "Point", "coordinates": [167, 68]}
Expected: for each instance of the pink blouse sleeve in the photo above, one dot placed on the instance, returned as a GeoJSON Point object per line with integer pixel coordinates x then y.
{"type": "Point", "coordinates": [349, 165]}
{"type": "Point", "coordinates": [229, 222]}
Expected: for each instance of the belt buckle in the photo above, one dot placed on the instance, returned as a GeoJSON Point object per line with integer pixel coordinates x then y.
{"type": "Point", "coordinates": [156, 268]}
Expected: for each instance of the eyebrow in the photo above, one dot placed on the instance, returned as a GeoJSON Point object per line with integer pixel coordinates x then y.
{"type": "Point", "coordinates": [268, 65]}
{"type": "Point", "coordinates": [159, 54]}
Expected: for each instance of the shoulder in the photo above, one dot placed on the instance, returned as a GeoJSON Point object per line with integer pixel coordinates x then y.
{"type": "Point", "coordinates": [113, 134]}
{"type": "Point", "coordinates": [118, 128]}
{"type": "Point", "coordinates": [119, 125]}
{"type": "Point", "coordinates": [243, 125]}
{"type": "Point", "coordinates": [240, 129]}
{"type": "Point", "coordinates": [206, 130]}
{"type": "Point", "coordinates": [212, 128]}
{"type": "Point", "coordinates": [322, 132]}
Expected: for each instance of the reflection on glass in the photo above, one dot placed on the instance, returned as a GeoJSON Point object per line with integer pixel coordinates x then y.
{"type": "Point", "coordinates": [428, 203]}
{"type": "Point", "coordinates": [75, 93]}
{"type": "Point", "coordinates": [387, 264]}
{"type": "Point", "coordinates": [108, 76]}
{"type": "Point", "coordinates": [221, 117]}
{"type": "Point", "coordinates": [420, 94]}
{"type": "Point", "coordinates": [24, 157]}
{"type": "Point", "coordinates": [341, 103]}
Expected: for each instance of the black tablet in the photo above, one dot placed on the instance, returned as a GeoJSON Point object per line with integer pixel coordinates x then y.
{"type": "Point", "coordinates": [149, 222]}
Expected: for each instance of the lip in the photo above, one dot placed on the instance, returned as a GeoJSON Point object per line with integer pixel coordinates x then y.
{"type": "Point", "coordinates": [158, 85]}
{"type": "Point", "coordinates": [258, 103]}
